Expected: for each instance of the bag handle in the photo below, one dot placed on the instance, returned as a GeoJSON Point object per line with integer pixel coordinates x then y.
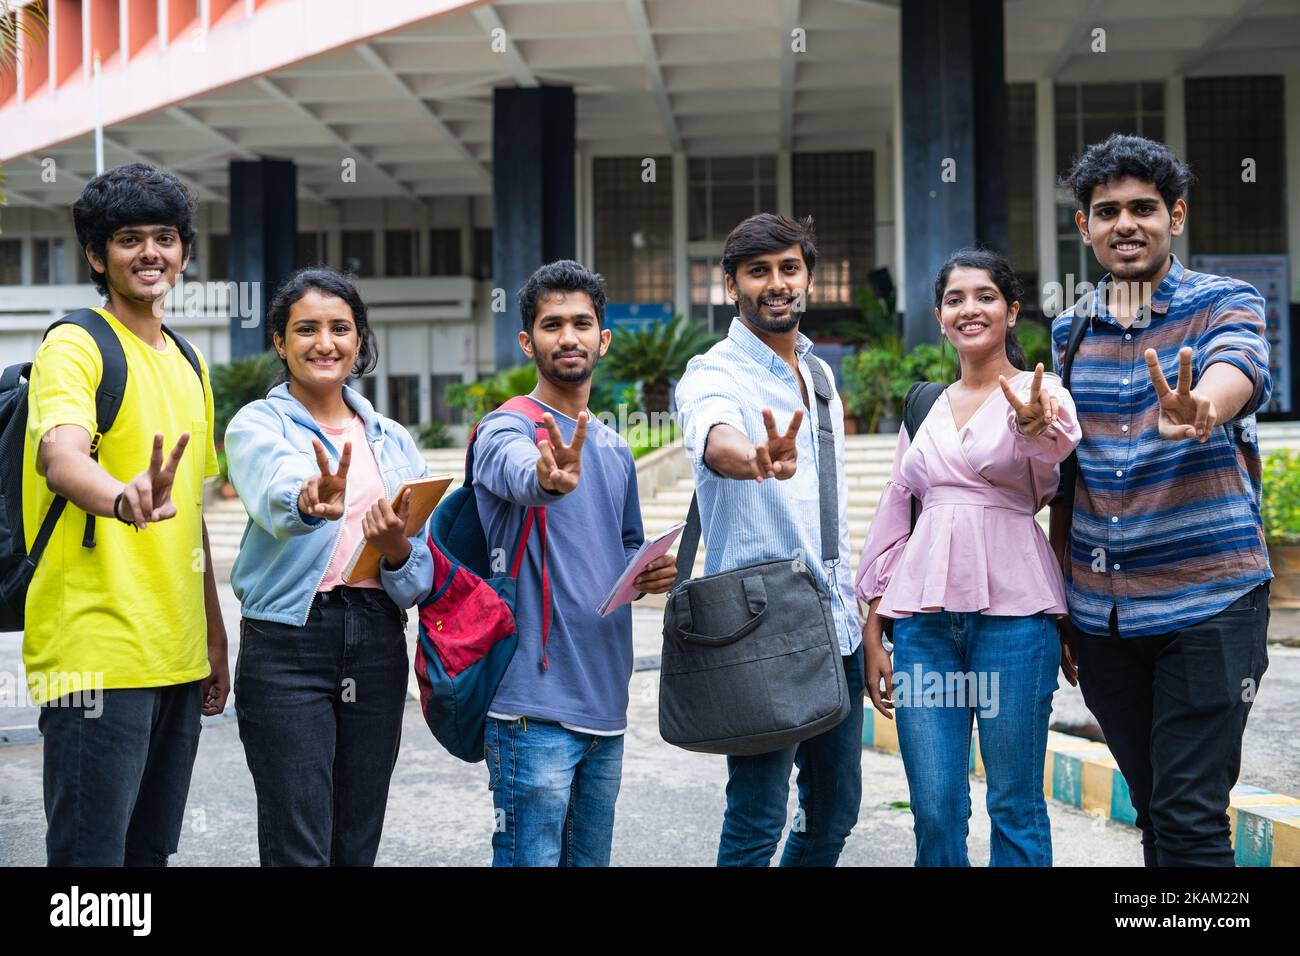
{"type": "Point", "coordinates": [827, 486]}
{"type": "Point", "coordinates": [756, 601]}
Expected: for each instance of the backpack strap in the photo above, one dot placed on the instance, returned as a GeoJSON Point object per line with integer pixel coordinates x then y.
{"type": "Point", "coordinates": [916, 407]}
{"type": "Point", "coordinates": [535, 516]}
{"type": "Point", "coordinates": [108, 394]}
{"type": "Point", "coordinates": [1070, 467]}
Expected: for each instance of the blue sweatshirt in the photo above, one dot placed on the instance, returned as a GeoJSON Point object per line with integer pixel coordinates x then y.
{"type": "Point", "coordinates": [592, 533]}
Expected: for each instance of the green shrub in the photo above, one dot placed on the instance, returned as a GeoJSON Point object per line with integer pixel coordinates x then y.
{"type": "Point", "coordinates": [1281, 502]}
{"type": "Point", "coordinates": [875, 382]}
{"type": "Point", "coordinates": [235, 384]}
{"type": "Point", "coordinates": [655, 355]}
{"type": "Point", "coordinates": [433, 435]}
{"type": "Point", "coordinates": [1036, 340]}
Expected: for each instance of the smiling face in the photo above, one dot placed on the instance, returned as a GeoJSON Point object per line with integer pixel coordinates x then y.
{"type": "Point", "coordinates": [140, 263]}
{"type": "Point", "coordinates": [566, 340]}
{"type": "Point", "coordinates": [973, 313]}
{"type": "Point", "coordinates": [320, 341]}
{"type": "Point", "coordinates": [1130, 229]}
{"type": "Point", "coordinates": [771, 290]}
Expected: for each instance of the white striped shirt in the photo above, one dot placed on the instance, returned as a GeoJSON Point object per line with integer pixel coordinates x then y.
{"type": "Point", "coordinates": [745, 522]}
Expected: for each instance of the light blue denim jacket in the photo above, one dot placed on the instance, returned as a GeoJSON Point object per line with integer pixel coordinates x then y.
{"type": "Point", "coordinates": [284, 554]}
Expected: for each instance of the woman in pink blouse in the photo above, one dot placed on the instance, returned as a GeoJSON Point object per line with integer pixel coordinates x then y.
{"type": "Point", "coordinates": [973, 589]}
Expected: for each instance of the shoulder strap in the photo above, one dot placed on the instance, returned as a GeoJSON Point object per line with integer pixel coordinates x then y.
{"type": "Point", "coordinates": [190, 356]}
{"type": "Point", "coordinates": [1078, 328]}
{"type": "Point", "coordinates": [916, 408]}
{"type": "Point", "coordinates": [111, 388]}
{"type": "Point", "coordinates": [827, 486]}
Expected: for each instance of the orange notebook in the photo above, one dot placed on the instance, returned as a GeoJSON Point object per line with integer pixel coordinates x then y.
{"type": "Point", "coordinates": [427, 493]}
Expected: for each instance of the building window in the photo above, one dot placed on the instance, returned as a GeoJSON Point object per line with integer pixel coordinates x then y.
{"type": "Point", "coordinates": [1230, 119]}
{"type": "Point", "coordinates": [359, 252]}
{"type": "Point", "coordinates": [49, 262]}
{"type": "Point", "coordinates": [443, 412]}
{"type": "Point", "coordinates": [633, 234]}
{"type": "Point", "coordinates": [444, 252]}
{"type": "Point", "coordinates": [218, 257]}
{"type": "Point", "coordinates": [1087, 113]}
{"type": "Point", "coordinates": [838, 191]}
{"type": "Point", "coordinates": [723, 191]}
{"type": "Point", "coordinates": [11, 261]}
{"type": "Point", "coordinates": [709, 301]}
{"type": "Point", "coordinates": [369, 387]}
{"type": "Point", "coordinates": [311, 249]}
{"type": "Point", "coordinates": [404, 399]}
{"type": "Point", "coordinates": [399, 252]}
{"type": "Point", "coordinates": [482, 253]}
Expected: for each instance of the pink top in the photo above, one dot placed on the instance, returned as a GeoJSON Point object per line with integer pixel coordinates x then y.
{"type": "Point", "coordinates": [976, 546]}
{"type": "Point", "coordinates": [365, 487]}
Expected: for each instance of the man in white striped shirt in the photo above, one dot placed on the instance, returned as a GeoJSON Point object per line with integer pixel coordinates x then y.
{"type": "Point", "coordinates": [756, 478]}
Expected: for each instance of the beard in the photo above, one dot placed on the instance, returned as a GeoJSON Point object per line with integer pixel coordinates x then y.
{"type": "Point", "coordinates": [552, 371]}
{"type": "Point", "coordinates": [752, 312]}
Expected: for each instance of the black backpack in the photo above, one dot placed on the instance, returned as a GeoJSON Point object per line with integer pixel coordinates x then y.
{"type": "Point", "coordinates": [16, 564]}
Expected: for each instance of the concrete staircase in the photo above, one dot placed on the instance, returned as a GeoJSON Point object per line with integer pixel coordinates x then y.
{"type": "Point", "coordinates": [666, 486]}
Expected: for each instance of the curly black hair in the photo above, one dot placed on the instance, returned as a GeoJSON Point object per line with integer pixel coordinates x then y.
{"type": "Point", "coordinates": [563, 275]}
{"type": "Point", "coordinates": [135, 194]}
{"type": "Point", "coordinates": [1123, 155]}
{"type": "Point", "coordinates": [330, 282]}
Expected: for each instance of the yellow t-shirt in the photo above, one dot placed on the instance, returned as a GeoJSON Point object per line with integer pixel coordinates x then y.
{"type": "Point", "coordinates": [128, 612]}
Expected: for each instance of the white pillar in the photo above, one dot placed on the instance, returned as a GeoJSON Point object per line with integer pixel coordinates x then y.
{"type": "Point", "coordinates": [885, 205]}
{"type": "Point", "coordinates": [1045, 173]}
{"type": "Point", "coordinates": [900, 218]}
{"type": "Point", "coordinates": [1291, 149]}
{"type": "Point", "coordinates": [1176, 139]}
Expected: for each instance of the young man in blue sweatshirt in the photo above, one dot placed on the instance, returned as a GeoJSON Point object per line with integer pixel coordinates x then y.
{"type": "Point", "coordinates": [555, 728]}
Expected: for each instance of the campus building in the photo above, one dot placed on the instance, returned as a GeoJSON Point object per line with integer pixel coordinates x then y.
{"type": "Point", "coordinates": [441, 150]}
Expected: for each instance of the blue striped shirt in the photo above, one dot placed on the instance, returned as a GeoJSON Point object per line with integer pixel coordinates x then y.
{"type": "Point", "coordinates": [1167, 533]}
{"type": "Point", "coordinates": [745, 522]}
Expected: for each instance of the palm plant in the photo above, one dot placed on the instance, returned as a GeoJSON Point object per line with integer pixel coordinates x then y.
{"type": "Point", "coordinates": [655, 355]}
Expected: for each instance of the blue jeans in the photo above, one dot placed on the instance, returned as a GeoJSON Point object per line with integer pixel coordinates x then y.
{"type": "Point", "coordinates": [830, 792]}
{"type": "Point", "coordinates": [948, 668]}
{"type": "Point", "coordinates": [554, 791]}
{"type": "Point", "coordinates": [320, 716]}
{"type": "Point", "coordinates": [116, 780]}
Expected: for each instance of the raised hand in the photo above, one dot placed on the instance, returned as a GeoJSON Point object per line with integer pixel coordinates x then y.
{"type": "Point", "coordinates": [779, 455]}
{"type": "Point", "coordinates": [1183, 413]}
{"type": "Point", "coordinates": [559, 466]}
{"type": "Point", "coordinates": [1034, 416]}
{"type": "Point", "coordinates": [322, 495]}
{"type": "Point", "coordinates": [659, 575]}
{"type": "Point", "coordinates": [148, 496]}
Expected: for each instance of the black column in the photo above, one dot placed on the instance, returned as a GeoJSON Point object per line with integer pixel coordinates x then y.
{"type": "Point", "coordinates": [954, 121]}
{"type": "Point", "coordinates": [263, 245]}
{"type": "Point", "coordinates": [533, 148]}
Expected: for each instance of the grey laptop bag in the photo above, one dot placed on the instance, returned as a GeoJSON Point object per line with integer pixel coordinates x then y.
{"type": "Point", "coordinates": [751, 661]}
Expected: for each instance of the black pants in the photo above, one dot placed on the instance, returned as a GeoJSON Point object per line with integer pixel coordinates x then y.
{"type": "Point", "coordinates": [117, 774]}
{"type": "Point", "coordinates": [1173, 708]}
{"type": "Point", "coordinates": [320, 716]}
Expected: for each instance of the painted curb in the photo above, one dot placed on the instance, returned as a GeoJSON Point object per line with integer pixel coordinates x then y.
{"type": "Point", "coordinates": [1083, 774]}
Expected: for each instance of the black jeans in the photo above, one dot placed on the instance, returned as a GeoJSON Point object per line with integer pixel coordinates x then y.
{"type": "Point", "coordinates": [117, 774]}
{"type": "Point", "coordinates": [320, 716]}
{"type": "Point", "coordinates": [1173, 708]}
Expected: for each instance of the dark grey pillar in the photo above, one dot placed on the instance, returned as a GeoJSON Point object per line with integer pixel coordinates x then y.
{"type": "Point", "coordinates": [533, 151]}
{"type": "Point", "coordinates": [263, 245]}
{"type": "Point", "coordinates": [955, 120]}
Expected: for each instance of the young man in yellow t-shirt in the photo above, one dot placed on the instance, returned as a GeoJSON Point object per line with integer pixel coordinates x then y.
{"type": "Point", "coordinates": [124, 645]}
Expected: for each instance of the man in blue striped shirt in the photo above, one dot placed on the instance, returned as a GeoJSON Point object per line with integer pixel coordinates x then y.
{"type": "Point", "coordinates": [758, 495]}
{"type": "Point", "coordinates": [1165, 559]}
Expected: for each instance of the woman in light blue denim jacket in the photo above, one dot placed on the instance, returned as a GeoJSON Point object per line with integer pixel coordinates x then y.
{"type": "Point", "coordinates": [320, 683]}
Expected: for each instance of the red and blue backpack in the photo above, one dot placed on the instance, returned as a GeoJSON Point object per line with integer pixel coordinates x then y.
{"type": "Point", "coordinates": [467, 623]}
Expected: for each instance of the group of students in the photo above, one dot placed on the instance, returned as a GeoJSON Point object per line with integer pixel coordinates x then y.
{"type": "Point", "coordinates": [1152, 592]}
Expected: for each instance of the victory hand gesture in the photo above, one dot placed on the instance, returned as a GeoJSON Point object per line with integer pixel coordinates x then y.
{"type": "Point", "coordinates": [1034, 416]}
{"type": "Point", "coordinates": [1183, 413]}
{"type": "Point", "coordinates": [322, 495]}
{"type": "Point", "coordinates": [148, 496]}
{"type": "Point", "coordinates": [779, 455]}
{"type": "Point", "coordinates": [559, 465]}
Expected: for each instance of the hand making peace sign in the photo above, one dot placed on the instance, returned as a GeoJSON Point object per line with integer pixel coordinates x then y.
{"type": "Point", "coordinates": [1183, 413]}
{"type": "Point", "coordinates": [1034, 416]}
{"type": "Point", "coordinates": [148, 496]}
{"type": "Point", "coordinates": [779, 455]}
{"type": "Point", "coordinates": [322, 495]}
{"type": "Point", "coordinates": [559, 465]}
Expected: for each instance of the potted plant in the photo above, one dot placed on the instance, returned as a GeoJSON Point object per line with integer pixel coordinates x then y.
{"type": "Point", "coordinates": [1281, 510]}
{"type": "Point", "coordinates": [875, 381]}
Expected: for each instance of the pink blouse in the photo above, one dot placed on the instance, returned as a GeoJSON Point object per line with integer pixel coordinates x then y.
{"type": "Point", "coordinates": [976, 546]}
